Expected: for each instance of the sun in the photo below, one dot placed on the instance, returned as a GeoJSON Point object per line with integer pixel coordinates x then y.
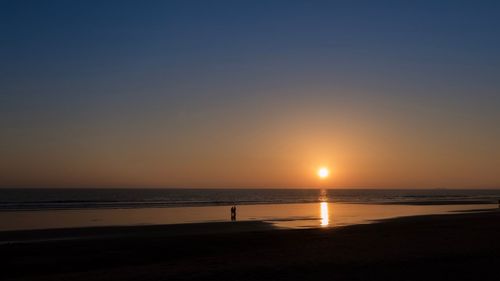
{"type": "Point", "coordinates": [323, 172]}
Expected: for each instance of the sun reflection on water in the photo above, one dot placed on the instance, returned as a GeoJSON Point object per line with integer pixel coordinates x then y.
{"type": "Point", "coordinates": [325, 220]}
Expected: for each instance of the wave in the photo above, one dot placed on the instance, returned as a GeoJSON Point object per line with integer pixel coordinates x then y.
{"type": "Point", "coordinates": [79, 205]}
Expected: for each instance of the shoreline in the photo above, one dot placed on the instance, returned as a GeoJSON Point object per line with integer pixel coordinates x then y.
{"type": "Point", "coordinates": [282, 215]}
{"type": "Point", "coordinates": [428, 247]}
{"type": "Point", "coordinates": [104, 232]}
{"type": "Point", "coordinates": [180, 229]}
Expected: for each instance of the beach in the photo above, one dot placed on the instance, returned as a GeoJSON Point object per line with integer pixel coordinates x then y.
{"type": "Point", "coordinates": [433, 247]}
{"type": "Point", "coordinates": [249, 140]}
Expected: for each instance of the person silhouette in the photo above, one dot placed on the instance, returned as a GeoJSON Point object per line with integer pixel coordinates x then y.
{"type": "Point", "coordinates": [233, 213]}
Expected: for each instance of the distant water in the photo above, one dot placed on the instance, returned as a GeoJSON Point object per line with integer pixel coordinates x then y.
{"type": "Point", "coordinates": [15, 199]}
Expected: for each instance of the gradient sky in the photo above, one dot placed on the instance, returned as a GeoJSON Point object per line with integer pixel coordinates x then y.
{"type": "Point", "coordinates": [396, 94]}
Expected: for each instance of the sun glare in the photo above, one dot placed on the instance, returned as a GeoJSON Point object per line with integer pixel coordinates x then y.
{"type": "Point", "coordinates": [323, 173]}
{"type": "Point", "coordinates": [325, 220]}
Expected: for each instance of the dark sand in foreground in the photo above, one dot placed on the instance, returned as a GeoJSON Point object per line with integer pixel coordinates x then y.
{"type": "Point", "coordinates": [441, 247]}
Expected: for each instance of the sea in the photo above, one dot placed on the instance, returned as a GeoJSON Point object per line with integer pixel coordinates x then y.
{"type": "Point", "coordinates": [17, 199]}
{"type": "Point", "coordinates": [50, 208]}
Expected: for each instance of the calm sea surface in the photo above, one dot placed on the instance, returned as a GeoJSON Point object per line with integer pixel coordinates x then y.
{"type": "Point", "coordinates": [50, 199]}
{"type": "Point", "coordinates": [287, 208]}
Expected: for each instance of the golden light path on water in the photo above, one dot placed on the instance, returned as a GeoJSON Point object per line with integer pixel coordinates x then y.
{"type": "Point", "coordinates": [280, 215]}
{"type": "Point", "coordinates": [325, 220]}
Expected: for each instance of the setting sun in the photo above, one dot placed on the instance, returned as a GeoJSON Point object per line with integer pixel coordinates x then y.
{"type": "Point", "coordinates": [323, 172]}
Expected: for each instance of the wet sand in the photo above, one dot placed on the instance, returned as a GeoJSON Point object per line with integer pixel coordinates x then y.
{"type": "Point", "coordinates": [437, 247]}
{"type": "Point", "coordinates": [297, 215]}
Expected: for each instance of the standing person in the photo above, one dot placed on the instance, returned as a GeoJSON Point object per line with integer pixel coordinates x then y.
{"type": "Point", "coordinates": [233, 213]}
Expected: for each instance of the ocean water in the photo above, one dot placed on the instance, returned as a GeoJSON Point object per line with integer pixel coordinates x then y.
{"type": "Point", "coordinates": [24, 209]}
{"type": "Point", "coordinates": [16, 199]}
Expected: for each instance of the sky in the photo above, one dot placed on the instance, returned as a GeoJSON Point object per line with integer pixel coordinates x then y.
{"type": "Point", "coordinates": [387, 94]}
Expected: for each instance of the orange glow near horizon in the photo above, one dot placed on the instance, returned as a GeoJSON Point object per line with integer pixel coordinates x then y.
{"type": "Point", "coordinates": [271, 154]}
{"type": "Point", "coordinates": [200, 99]}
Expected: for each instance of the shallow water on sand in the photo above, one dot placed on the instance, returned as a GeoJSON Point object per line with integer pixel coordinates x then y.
{"type": "Point", "coordinates": [304, 215]}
